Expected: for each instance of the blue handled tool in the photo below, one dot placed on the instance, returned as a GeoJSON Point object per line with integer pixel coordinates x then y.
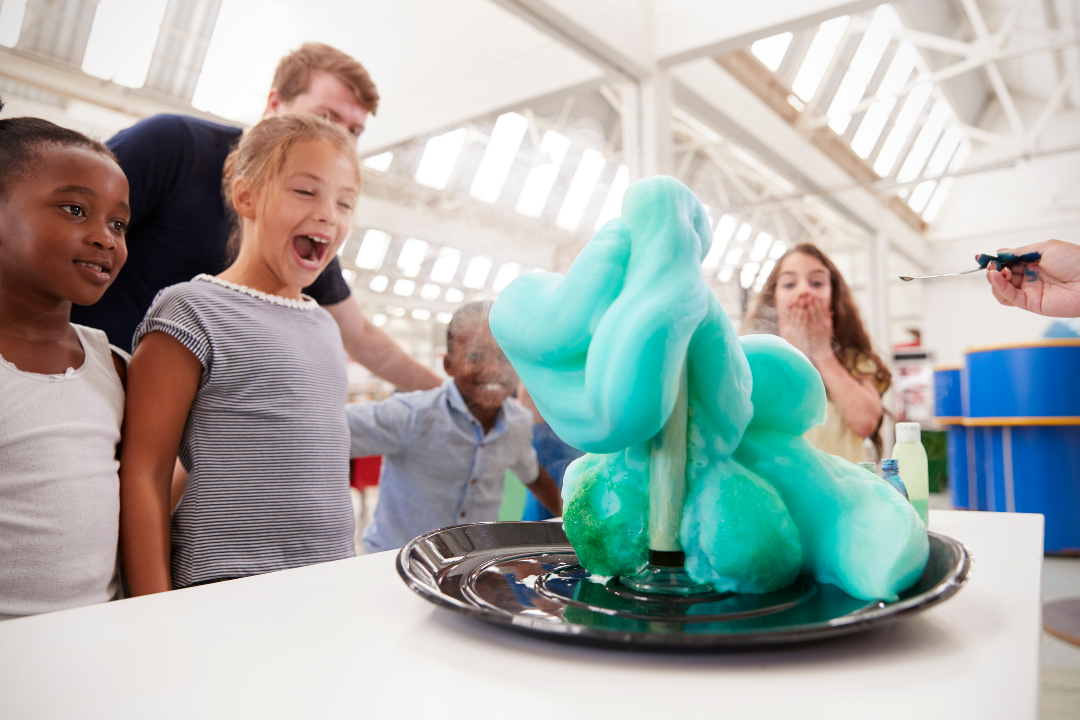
{"type": "Point", "coordinates": [1003, 260]}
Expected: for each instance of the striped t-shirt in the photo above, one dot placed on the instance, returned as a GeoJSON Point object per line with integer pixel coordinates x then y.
{"type": "Point", "coordinates": [266, 444]}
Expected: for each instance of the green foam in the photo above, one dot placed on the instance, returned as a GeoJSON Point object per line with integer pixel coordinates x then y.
{"type": "Point", "coordinates": [601, 350]}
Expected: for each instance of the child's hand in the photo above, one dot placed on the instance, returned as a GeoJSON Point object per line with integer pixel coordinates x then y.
{"type": "Point", "coordinates": [807, 325]}
{"type": "Point", "coordinates": [1050, 286]}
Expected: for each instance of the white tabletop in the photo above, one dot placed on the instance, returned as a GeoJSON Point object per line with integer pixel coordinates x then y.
{"type": "Point", "coordinates": [348, 638]}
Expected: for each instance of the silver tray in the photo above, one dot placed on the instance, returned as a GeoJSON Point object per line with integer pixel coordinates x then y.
{"type": "Point", "coordinates": [525, 576]}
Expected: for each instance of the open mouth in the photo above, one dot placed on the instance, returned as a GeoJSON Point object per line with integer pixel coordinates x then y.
{"type": "Point", "coordinates": [98, 272]}
{"type": "Point", "coordinates": [310, 249]}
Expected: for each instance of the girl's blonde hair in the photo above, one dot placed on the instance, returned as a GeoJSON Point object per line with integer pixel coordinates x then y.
{"type": "Point", "coordinates": [263, 150]}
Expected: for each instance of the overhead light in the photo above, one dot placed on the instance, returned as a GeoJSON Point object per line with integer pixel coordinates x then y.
{"type": "Point", "coordinates": [444, 317]}
{"type": "Point", "coordinates": [499, 155]}
{"type": "Point", "coordinates": [761, 247]}
{"type": "Point", "coordinates": [404, 287]}
{"type": "Point", "coordinates": [411, 256]}
{"type": "Point", "coordinates": [379, 283]}
{"type": "Point", "coordinates": [734, 256]}
{"type": "Point", "coordinates": [395, 311]}
{"type": "Point", "coordinates": [378, 319]}
{"type": "Point", "coordinates": [349, 275]}
{"type": "Point", "coordinates": [873, 122]}
{"type": "Point", "coordinates": [372, 250]}
{"type": "Point", "coordinates": [580, 190]}
{"type": "Point", "coordinates": [125, 63]}
{"type": "Point", "coordinates": [725, 228]}
{"type": "Point", "coordinates": [538, 183]}
{"type": "Point", "coordinates": [445, 265]}
{"type": "Point", "coordinates": [725, 273]}
{"type": "Point", "coordinates": [778, 249]}
{"type": "Point", "coordinates": [440, 155]}
{"type": "Point", "coordinates": [507, 272]}
{"type": "Point", "coordinates": [453, 295]}
{"type": "Point", "coordinates": [430, 291]}
{"type": "Point", "coordinates": [421, 314]}
{"type": "Point", "coordinates": [380, 162]}
{"type": "Point", "coordinates": [818, 56]}
{"type": "Point", "coordinates": [477, 271]}
{"type": "Point", "coordinates": [771, 50]}
{"type": "Point", "coordinates": [613, 204]}
{"type": "Point", "coordinates": [748, 274]}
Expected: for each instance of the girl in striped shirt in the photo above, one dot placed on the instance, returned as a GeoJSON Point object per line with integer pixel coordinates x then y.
{"type": "Point", "coordinates": [244, 376]}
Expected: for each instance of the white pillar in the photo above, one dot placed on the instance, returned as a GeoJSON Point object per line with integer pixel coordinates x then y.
{"type": "Point", "coordinates": [646, 125]}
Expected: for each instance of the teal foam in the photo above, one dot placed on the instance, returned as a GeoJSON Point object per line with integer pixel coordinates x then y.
{"type": "Point", "coordinates": [601, 350]}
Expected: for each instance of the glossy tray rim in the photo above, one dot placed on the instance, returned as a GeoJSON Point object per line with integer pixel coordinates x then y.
{"type": "Point", "coordinates": [876, 617]}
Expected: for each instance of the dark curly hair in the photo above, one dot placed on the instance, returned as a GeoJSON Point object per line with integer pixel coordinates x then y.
{"type": "Point", "coordinates": [22, 141]}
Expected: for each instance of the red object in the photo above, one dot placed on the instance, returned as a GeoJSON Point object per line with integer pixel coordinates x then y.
{"type": "Point", "coordinates": [365, 471]}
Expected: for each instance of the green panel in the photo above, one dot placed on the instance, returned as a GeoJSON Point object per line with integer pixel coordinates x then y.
{"type": "Point", "coordinates": [513, 504]}
{"type": "Point", "coordinates": [937, 459]}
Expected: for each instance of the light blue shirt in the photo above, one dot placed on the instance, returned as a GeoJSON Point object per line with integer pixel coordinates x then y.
{"type": "Point", "coordinates": [439, 468]}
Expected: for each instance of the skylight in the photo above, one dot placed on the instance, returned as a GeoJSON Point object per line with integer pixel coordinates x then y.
{"type": "Point", "coordinates": [349, 275]}
{"type": "Point", "coordinates": [446, 265]}
{"type": "Point", "coordinates": [453, 295]}
{"type": "Point", "coordinates": [380, 162]}
{"type": "Point", "coordinates": [412, 255]}
{"type": "Point", "coordinates": [378, 319]}
{"type": "Point", "coordinates": [613, 204]}
{"type": "Point", "coordinates": [444, 317]}
{"type": "Point", "coordinates": [725, 228]}
{"type": "Point", "coordinates": [725, 273]}
{"type": "Point", "coordinates": [501, 150]}
{"type": "Point", "coordinates": [421, 314]}
{"type": "Point", "coordinates": [905, 121]}
{"type": "Point", "coordinates": [404, 287]}
{"type": "Point", "coordinates": [440, 155]}
{"type": "Point", "coordinates": [944, 152]}
{"type": "Point", "coordinates": [477, 271]}
{"type": "Point", "coordinates": [11, 20]}
{"type": "Point", "coordinates": [581, 189]}
{"type": "Point", "coordinates": [853, 86]}
{"type": "Point", "coordinates": [734, 256]}
{"type": "Point", "coordinates": [372, 250]}
{"type": "Point", "coordinates": [507, 272]}
{"type": "Point", "coordinates": [877, 115]}
{"type": "Point", "coordinates": [126, 62]}
{"type": "Point", "coordinates": [924, 143]}
{"type": "Point", "coordinates": [538, 183]}
{"type": "Point", "coordinates": [921, 195]}
{"type": "Point", "coordinates": [761, 247]}
{"type": "Point", "coordinates": [763, 275]}
{"type": "Point", "coordinates": [771, 50]}
{"type": "Point", "coordinates": [744, 233]}
{"type": "Point", "coordinates": [778, 249]}
{"type": "Point", "coordinates": [430, 291]}
{"type": "Point", "coordinates": [817, 58]}
{"type": "Point", "coordinates": [379, 283]}
{"type": "Point", "coordinates": [748, 273]}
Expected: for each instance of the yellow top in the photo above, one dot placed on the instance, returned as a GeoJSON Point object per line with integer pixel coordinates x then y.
{"type": "Point", "coordinates": [835, 436]}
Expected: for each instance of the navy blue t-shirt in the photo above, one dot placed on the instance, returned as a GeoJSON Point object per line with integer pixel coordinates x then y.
{"type": "Point", "coordinates": [178, 224]}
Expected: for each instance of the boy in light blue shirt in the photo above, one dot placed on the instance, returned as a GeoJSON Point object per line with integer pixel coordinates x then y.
{"type": "Point", "coordinates": [446, 450]}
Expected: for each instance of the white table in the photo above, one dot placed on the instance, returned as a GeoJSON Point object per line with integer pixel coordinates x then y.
{"type": "Point", "coordinates": [348, 639]}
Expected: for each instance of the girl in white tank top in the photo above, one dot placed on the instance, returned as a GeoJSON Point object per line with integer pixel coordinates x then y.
{"type": "Point", "coordinates": [63, 214]}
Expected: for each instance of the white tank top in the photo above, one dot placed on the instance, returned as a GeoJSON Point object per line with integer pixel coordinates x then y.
{"type": "Point", "coordinates": [59, 487]}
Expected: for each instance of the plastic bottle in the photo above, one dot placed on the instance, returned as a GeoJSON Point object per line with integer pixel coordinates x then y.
{"type": "Point", "coordinates": [913, 467]}
{"type": "Point", "coordinates": [872, 467]}
{"type": "Point", "coordinates": [889, 473]}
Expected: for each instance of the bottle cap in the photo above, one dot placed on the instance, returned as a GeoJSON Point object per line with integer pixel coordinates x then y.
{"type": "Point", "coordinates": [890, 464]}
{"type": "Point", "coordinates": [908, 432]}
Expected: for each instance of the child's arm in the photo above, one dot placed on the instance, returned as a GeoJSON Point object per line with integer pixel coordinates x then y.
{"type": "Point", "coordinates": [379, 428]}
{"type": "Point", "coordinates": [547, 492]}
{"type": "Point", "coordinates": [162, 381]}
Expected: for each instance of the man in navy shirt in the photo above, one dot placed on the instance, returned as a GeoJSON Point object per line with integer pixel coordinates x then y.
{"type": "Point", "coordinates": [178, 225]}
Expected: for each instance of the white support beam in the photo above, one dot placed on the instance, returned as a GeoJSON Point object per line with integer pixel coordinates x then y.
{"type": "Point", "coordinates": [737, 112]}
{"type": "Point", "coordinates": [615, 35]}
{"type": "Point", "coordinates": [656, 136]}
{"type": "Point", "coordinates": [686, 30]}
{"type": "Point", "coordinates": [877, 257]}
{"type": "Point", "coordinates": [1052, 106]}
{"type": "Point", "coordinates": [982, 32]}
